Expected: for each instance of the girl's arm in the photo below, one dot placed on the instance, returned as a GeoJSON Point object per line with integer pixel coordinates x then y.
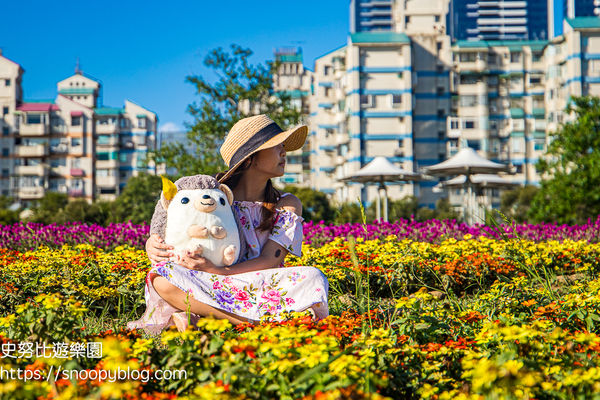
{"type": "Point", "coordinates": [271, 256]}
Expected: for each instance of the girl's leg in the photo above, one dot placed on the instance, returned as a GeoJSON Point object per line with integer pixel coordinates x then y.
{"type": "Point", "coordinates": [177, 298]}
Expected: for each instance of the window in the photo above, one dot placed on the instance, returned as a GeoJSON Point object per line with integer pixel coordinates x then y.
{"type": "Point", "coordinates": [396, 100]}
{"type": "Point", "coordinates": [7, 82]}
{"type": "Point", "coordinates": [439, 45]}
{"type": "Point", "coordinates": [366, 100]}
{"type": "Point", "coordinates": [5, 130]}
{"type": "Point", "coordinates": [440, 113]}
{"type": "Point", "coordinates": [34, 118]}
{"type": "Point", "coordinates": [141, 122]}
{"type": "Point", "coordinates": [103, 156]}
{"type": "Point", "coordinates": [493, 80]}
{"type": "Point", "coordinates": [469, 79]}
{"type": "Point", "coordinates": [468, 57]}
{"type": "Point", "coordinates": [326, 70]}
{"type": "Point", "coordinates": [539, 144]}
{"type": "Point", "coordinates": [437, 18]}
{"type": "Point", "coordinates": [327, 91]}
{"type": "Point", "coordinates": [75, 142]}
{"type": "Point", "coordinates": [492, 58]}
{"type": "Point", "coordinates": [440, 91]}
{"type": "Point", "coordinates": [469, 124]}
{"type": "Point", "coordinates": [518, 145]}
{"type": "Point", "coordinates": [5, 152]}
{"type": "Point", "coordinates": [535, 80]}
{"type": "Point", "coordinates": [124, 123]}
{"type": "Point", "coordinates": [4, 171]}
{"type": "Point", "coordinates": [515, 57]}
{"type": "Point", "coordinates": [76, 121]}
{"type": "Point", "coordinates": [536, 56]}
{"type": "Point", "coordinates": [4, 110]}
{"type": "Point", "coordinates": [474, 144]}
{"type": "Point", "coordinates": [123, 157]}
{"type": "Point", "coordinates": [407, 20]}
{"type": "Point", "coordinates": [468, 101]}
{"type": "Point", "coordinates": [76, 163]}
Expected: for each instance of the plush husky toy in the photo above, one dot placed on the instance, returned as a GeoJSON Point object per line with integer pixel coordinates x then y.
{"type": "Point", "coordinates": [198, 218]}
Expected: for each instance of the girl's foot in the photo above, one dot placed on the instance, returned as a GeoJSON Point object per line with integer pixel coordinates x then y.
{"type": "Point", "coordinates": [180, 319]}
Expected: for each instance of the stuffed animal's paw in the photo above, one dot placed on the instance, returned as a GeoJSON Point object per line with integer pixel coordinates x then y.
{"type": "Point", "coordinates": [197, 232]}
{"type": "Point", "coordinates": [229, 254]}
{"type": "Point", "coordinates": [218, 232]}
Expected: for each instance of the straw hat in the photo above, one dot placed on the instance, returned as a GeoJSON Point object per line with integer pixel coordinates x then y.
{"type": "Point", "coordinates": [252, 134]}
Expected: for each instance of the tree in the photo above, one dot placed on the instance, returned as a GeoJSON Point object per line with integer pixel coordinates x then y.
{"type": "Point", "coordinates": [7, 216]}
{"type": "Point", "coordinates": [48, 207]}
{"type": "Point", "coordinates": [315, 205]}
{"type": "Point", "coordinates": [241, 90]}
{"type": "Point", "coordinates": [138, 199]}
{"type": "Point", "coordinates": [570, 169]}
{"type": "Point", "coordinates": [82, 211]}
{"type": "Point", "coordinates": [516, 203]}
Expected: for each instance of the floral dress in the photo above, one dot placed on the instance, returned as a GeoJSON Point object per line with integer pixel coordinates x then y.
{"type": "Point", "coordinates": [252, 294]}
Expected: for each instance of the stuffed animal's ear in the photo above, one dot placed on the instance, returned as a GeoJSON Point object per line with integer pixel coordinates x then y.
{"type": "Point", "coordinates": [225, 189]}
{"type": "Point", "coordinates": [169, 190]}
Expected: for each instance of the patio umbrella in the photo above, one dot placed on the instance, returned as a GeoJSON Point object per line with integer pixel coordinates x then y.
{"type": "Point", "coordinates": [380, 170]}
{"type": "Point", "coordinates": [468, 163]}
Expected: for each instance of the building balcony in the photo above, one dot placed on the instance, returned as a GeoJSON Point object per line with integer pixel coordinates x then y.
{"type": "Point", "coordinates": [36, 170]}
{"type": "Point", "coordinates": [77, 172]}
{"type": "Point", "coordinates": [61, 148]}
{"type": "Point", "coordinates": [33, 130]}
{"type": "Point", "coordinates": [38, 150]}
{"type": "Point", "coordinates": [107, 181]}
{"type": "Point", "coordinates": [107, 141]}
{"type": "Point", "coordinates": [75, 192]}
{"type": "Point", "coordinates": [109, 129]}
{"type": "Point", "coordinates": [107, 164]}
{"type": "Point", "coordinates": [31, 192]}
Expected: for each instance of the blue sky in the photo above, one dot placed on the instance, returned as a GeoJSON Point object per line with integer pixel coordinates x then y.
{"type": "Point", "coordinates": [143, 50]}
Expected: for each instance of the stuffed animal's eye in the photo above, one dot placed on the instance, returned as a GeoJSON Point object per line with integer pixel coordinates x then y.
{"type": "Point", "coordinates": [185, 200]}
{"type": "Point", "coordinates": [222, 201]}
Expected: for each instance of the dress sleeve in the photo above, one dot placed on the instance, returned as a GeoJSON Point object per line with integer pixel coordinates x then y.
{"type": "Point", "coordinates": [287, 231]}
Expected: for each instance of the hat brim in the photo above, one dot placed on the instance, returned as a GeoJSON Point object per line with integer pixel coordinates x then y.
{"type": "Point", "coordinates": [293, 139]}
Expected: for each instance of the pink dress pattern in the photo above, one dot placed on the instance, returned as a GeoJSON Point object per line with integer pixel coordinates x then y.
{"type": "Point", "coordinates": [251, 294]}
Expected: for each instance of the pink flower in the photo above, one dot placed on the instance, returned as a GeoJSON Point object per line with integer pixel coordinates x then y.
{"type": "Point", "coordinates": [272, 295]}
{"type": "Point", "coordinates": [227, 281]}
{"type": "Point", "coordinates": [217, 285]}
{"type": "Point", "coordinates": [247, 304]}
{"type": "Point", "coordinates": [289, 301]}
{"type": "Point", "coordinates": [241, 295]}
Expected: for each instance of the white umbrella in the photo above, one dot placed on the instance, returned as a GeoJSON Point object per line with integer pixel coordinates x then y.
{"type": "Point", "coordinates": [468, 163]}
{"type": "Point", "coordinates": [481, 180]}
{"type": "Point", "coordinates": [380, 170]}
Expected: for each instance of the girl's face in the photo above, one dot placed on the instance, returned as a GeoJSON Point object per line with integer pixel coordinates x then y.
{"type": "Point", "coordinates": [270, 162]}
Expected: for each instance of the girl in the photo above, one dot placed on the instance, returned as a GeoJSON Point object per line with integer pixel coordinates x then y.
{"type": "Point", "coordinates": [270, 226]}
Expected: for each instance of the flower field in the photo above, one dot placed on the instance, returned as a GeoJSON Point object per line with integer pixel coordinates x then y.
{"type": "Point", "coordinates": [434, 310]}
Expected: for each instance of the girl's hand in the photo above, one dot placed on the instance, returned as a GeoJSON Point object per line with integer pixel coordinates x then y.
{"type": "Point", "coordinates": [196, 262]}
{"type": "Point", "coordinates": [157, 249]}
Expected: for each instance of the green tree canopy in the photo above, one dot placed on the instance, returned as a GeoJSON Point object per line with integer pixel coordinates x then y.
{"type": "Point", "coordinates": [137, 200]}
{"type": "Point", "coordinates": [315, 205]}
{"type": "Point", "coordinates": [241, 90]}
{"type": "Point", "coordinates": [570, 169]}
{"type": "Point", "coordinates": [516, 203]}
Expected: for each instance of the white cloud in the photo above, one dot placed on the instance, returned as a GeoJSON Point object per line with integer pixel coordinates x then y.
{"type": "Point", "coordinates": [170, 127]}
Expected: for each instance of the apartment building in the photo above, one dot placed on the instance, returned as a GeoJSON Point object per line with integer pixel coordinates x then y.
{"type": "Point", "coordinates": [71, 144]}
{"type": "Point", "coordinates": [416, 98]}
{"type": "Point", "coordinates": [295, 81]}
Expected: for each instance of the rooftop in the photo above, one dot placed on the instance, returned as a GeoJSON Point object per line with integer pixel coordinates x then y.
{"type": "Point", "coordinates": [379, 37]}
{"type": "Point", "coordinates": [584, 22]}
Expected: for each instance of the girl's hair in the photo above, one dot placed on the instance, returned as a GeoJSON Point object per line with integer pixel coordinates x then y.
{"type": "Point", "coordinates": [270, 199]}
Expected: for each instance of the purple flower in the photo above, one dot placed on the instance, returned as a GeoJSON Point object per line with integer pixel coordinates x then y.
{"type": "Point", "coordinates": [224, 297]}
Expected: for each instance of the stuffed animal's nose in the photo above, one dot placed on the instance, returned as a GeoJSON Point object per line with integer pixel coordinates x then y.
{"type": "Point", "coordinates": [205, 205]}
